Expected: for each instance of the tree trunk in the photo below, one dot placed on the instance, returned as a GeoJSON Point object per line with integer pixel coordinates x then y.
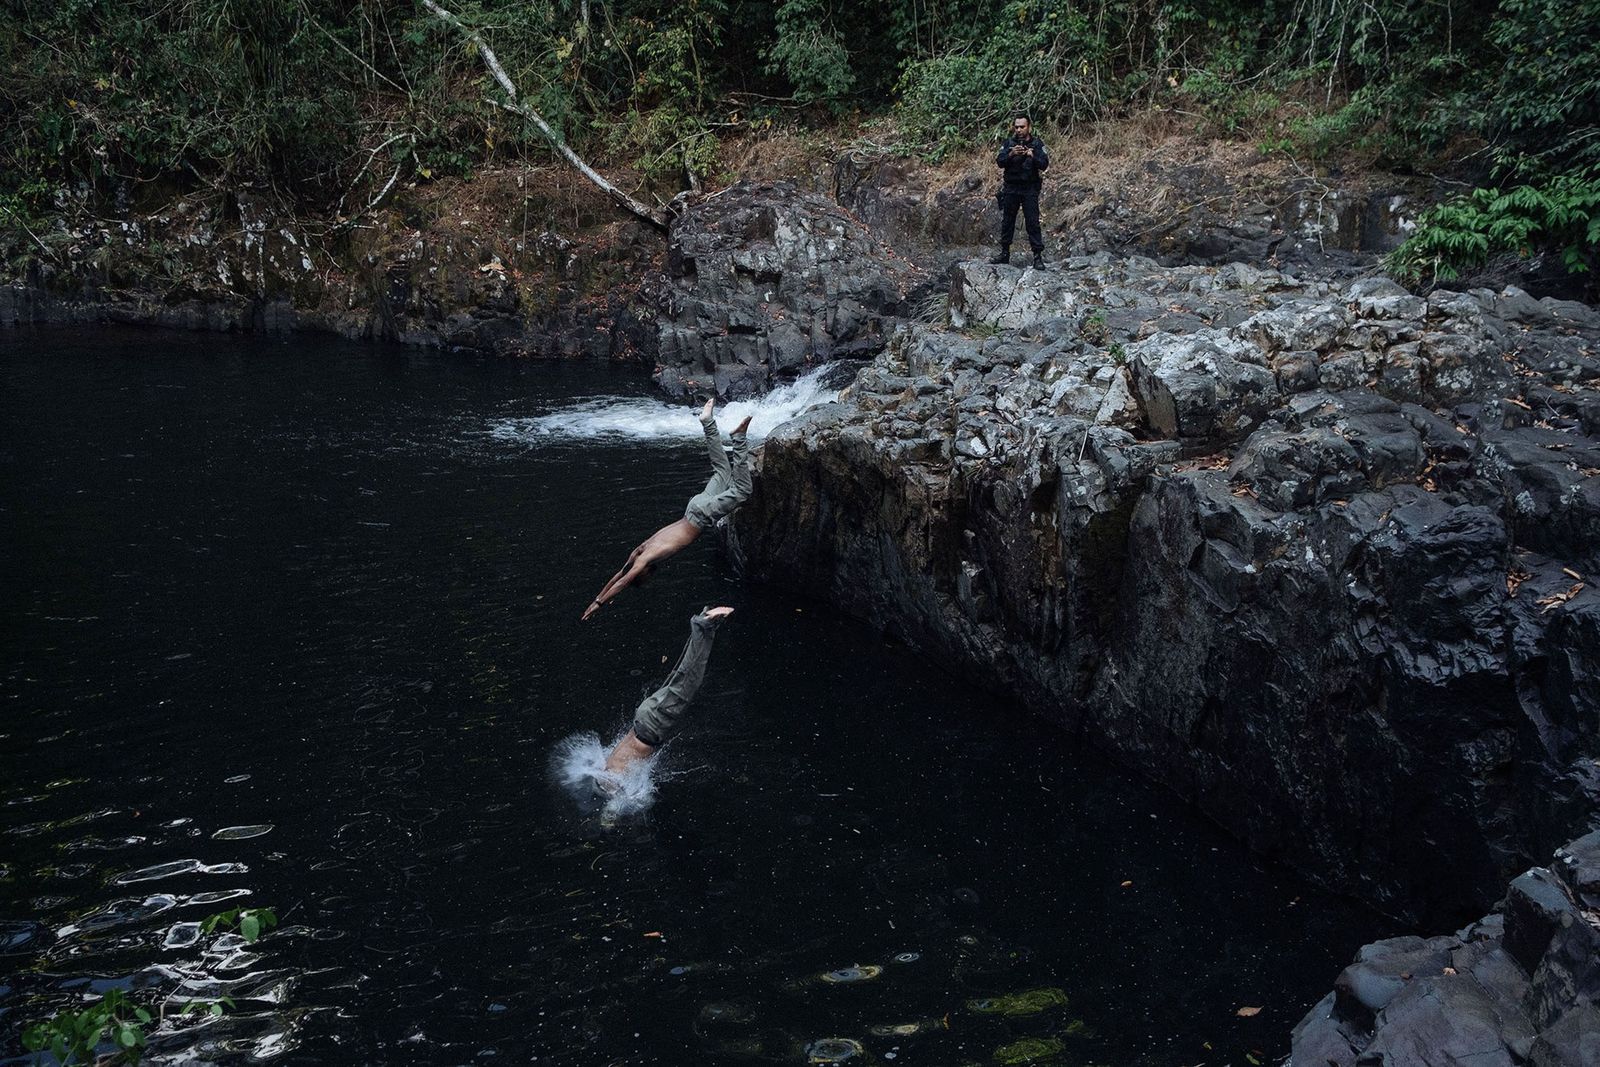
{"type": "Point", "coordinates": [651, 215]}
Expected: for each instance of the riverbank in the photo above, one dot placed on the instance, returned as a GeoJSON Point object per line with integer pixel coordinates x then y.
{"type": "Point", "coordinates": [534, 261]}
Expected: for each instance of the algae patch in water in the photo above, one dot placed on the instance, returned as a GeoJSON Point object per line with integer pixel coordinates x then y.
{"type": "Point", "coordinates": [1027, 1002]}
{"type": "Point", "coordinates": [1029, 1050]}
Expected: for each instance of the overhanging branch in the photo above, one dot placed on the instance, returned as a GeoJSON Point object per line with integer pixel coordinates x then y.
{"type": "Point", "coordinates": [651, 215]}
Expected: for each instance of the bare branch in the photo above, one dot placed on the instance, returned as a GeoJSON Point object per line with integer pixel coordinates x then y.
{"type": "Point", "coordinates": [651, 215]}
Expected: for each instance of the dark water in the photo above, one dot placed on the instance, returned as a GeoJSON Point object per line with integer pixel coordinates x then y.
{"type": "Point", "coordinates": [296, 586]}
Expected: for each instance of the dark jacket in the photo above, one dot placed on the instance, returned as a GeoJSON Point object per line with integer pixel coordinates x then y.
{"type": "Point", "coordinates": [1023, 172]}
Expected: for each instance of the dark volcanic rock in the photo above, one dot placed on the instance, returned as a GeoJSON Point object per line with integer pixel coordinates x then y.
{"type": "Point", "coordinates": [1520, 986]}
{"type": "Point", "coordinates": [764, 280]}
{"type": "Point", "coordinates": [1350, 620]}
{"type": "Point", "coordinates": [451, 284]}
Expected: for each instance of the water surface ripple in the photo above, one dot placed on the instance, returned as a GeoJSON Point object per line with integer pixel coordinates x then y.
{"type": "Point", "coordinates": [293, 625]}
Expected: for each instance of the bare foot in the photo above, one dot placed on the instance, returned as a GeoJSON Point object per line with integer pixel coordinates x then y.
{"type": "Point", "coordinates": [705, 412]}
{"type": "Point", "coordinates": [718, 613]}
{"type": "Point", "coordinates": [743, 426]}
{"type": "Point", "coordinates": [594, 606]}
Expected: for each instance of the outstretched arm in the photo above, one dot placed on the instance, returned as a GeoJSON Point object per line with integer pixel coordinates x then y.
{"type": "Point", "coordinates": [612, 586]}
{"type": "Point", "coordinates": [619, 581]}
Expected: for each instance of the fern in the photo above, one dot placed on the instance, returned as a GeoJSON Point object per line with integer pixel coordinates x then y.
{"type": "Point", "coordinates": [1462, 233]}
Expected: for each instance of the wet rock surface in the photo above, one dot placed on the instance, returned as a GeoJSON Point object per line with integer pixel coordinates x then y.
{"type": "Point", "coordinates": [1316, 552]}
{"type": "Point", "coordinates": [764, 280]}
{"type": "Point", "coordinates": [1519, 986]}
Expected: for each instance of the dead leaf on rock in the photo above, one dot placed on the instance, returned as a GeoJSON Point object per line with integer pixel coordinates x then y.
{"type": "Point", "coordinates": [1570, 573]}
{"type": "Point", "coordinates": [1514, 580]}
{"type": "Point", "coordinates": [1555, 600]}
{"type": "Point", "coordinates": [1449, 970]}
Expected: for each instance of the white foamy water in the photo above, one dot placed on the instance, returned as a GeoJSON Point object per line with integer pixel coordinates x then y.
{"type": "Point", "coordinates": [651, 419]}
{"type": "Point", "coordinates": [579, 766]}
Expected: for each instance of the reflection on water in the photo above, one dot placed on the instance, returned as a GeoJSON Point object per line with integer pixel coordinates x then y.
{"type": "Point", "coordinates": [285, 627]}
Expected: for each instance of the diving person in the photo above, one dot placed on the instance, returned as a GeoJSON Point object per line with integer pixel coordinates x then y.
{"type": "Point", "coordinates": [657, 717]}
{"type": "Point", "coordinates": [728, 487]}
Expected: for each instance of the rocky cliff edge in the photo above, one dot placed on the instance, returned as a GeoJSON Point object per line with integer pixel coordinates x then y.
{"type": "Point", "coordinates": [1317, 553]}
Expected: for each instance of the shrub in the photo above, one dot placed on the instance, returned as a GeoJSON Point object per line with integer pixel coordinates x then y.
{"type": "Point", "coordinates": [1466, 231]}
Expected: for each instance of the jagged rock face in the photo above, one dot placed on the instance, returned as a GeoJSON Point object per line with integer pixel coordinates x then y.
{"type": "Point", "coordinates": [764, 280]}
{"type": "Point", "coordinates": [1351, 619]}
{"type": "Point", "coordinates": [446, 286]}
{"type": "Point", "coordinates": [1518, 986]}
{"type": "Point", "coordinates": [1180, 213]}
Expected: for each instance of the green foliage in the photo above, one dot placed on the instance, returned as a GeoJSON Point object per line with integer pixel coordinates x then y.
{"type": "Point", "coordinates": [1466, 231]}
{"type": "Point", "coordinates": [250, 922]}
{"type": "Point", "coordinates": [1093, 329]}
{"type": "Point", "coordinates": [75, 1037]}
{"type": "Point", "coordinates": [1545, 110]}
{"type": "Point", "coordinates": [1046, 57]}
{"type": "Point", "coordinates": [328, 102]}
{"type": "Point", "coordinates": [809, 53]}
{"type": "Point", "coordinates": [209, 1008]}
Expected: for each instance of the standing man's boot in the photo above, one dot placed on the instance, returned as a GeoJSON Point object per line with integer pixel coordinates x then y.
{"type": "Point", "coordinates": [1038, 260]}
{"type": "Point", "coordinates": [1002, 256]}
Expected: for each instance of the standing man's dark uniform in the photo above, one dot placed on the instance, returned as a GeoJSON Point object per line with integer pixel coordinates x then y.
{"type": "Point", "coordinates": [1023, 159]}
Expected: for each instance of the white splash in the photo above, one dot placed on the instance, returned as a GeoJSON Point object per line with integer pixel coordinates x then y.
{"type": "Point", "coordinates": [579, 765]}
{"type": "Point", "coordinates": [652, 419]}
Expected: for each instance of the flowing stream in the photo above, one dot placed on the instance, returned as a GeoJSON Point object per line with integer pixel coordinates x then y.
{"type": "Point", "coordinates": [293, 624]}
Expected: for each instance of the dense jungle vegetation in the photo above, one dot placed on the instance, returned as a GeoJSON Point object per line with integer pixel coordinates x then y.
{"type": "Point", "coordinates": [330, 102]}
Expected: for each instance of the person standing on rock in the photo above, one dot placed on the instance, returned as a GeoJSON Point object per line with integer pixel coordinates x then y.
{"type": "Point", "coordinates": [1023, 160]}
{"type": "Point", "coordinates": [728, 487]}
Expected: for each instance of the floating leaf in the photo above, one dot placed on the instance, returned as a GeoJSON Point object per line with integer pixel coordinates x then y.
{"type": "Point", "coordinates": [1248, 1013]}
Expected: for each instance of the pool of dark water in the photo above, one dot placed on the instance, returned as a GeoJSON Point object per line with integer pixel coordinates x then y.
{"type": "Point", "coordinates": [285, 626]}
